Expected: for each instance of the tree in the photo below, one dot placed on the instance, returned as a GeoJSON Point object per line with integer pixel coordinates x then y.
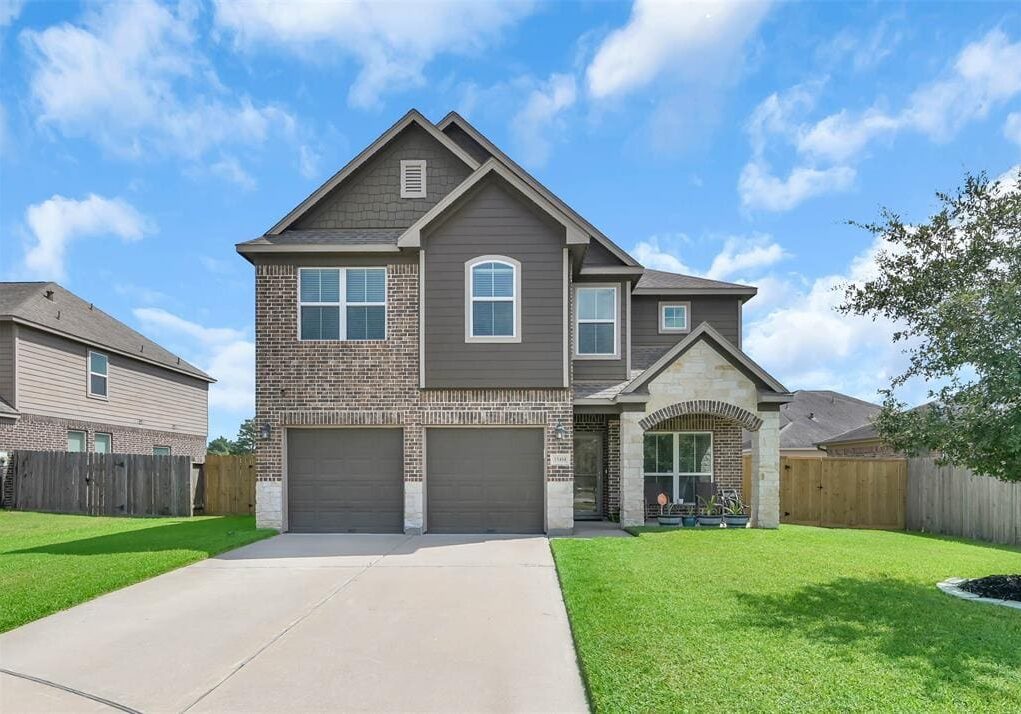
{"type": "Point", "coordinates": [220, 446]}
{"type": "Point", "coordinates": [953, 284]}
{"type": "Point", "coordinates": [245, 443]}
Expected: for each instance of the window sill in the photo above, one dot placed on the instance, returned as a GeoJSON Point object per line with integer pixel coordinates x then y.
{"type": "Point", "coordinates": [602, 358]}
{"type": "Point", "coordinates": [492, 340]}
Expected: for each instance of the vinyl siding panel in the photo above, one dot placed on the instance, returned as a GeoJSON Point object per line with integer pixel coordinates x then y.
{"type": "Point", "coordinates": [51, 373]}
{"type": "Point", "coordinates": [493, 220]}
{"type": "Point", "coordinates": [7, 362]}
{"type": "Point", "coordinates": [371, 196]}
{"type": "Point", "coordinates": [648, 344]}
{"type": "Point", "coordinates": [598, 255]}
{"type": "Point", "coordinates": [603, 369]}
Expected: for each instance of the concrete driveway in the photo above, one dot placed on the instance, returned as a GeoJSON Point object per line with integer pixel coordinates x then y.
{"type": "Point", "coordinates": [314, 623]}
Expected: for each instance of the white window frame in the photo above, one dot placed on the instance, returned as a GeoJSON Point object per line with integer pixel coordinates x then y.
{"type": "Point", "coordinates": [663, 329]}
{"type": "Point", "coordinates": [89, 374]}
{"type": "Point", "coordinates": [676, 470]}
{"type": "Point", "coordinates": [405, 164]}
{"type": "Point", "coordinates": [616, 321]}
{"type": "Point", "coordinates": [470, 299]}
{"type": "Point", "coordinates": [342, 305]}
{"type": "Point", "coordinates": [95, 440]}
{"type": "Point", "coordinates": [170, 452]}
{"type": "Point", "coordinates": [85, 440]}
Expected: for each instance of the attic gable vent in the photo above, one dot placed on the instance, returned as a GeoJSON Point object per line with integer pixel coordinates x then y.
{"type": "Point", "coordinates": [413, 178]}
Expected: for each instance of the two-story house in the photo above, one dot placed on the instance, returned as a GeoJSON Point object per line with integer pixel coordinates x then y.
{"type": "Point", "coordinates": [443, 345]}
{"type": "Point", "coordinates": [73, 378]}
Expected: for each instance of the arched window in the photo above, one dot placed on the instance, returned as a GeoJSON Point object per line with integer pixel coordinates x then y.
{"type": "Point", "coordinates": [493, 299]}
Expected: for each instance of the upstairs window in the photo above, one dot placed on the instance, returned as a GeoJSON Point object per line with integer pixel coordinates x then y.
{"type": "Point", "coordinates": [99, 367]}
{"type": "Point", "coordinates": [673, 317]}
{"type": "Point", "coordinates": [494, 299]}
{"type": "Point", "coordinates": [596, 322]}
{"type": "Point", "coordinates": [342, 303]}
{"type": "Point", "coordinates": [413, 178]}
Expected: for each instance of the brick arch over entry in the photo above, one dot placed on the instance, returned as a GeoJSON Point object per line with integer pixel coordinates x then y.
{"type": "Point", "coordinates": [703, 406]}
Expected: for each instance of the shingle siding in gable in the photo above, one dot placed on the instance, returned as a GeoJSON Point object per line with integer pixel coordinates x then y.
{"type": "Point", "coordinates": [371, 197]}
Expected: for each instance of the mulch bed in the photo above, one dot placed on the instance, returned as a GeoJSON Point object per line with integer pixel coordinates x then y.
{"type": "Point", "coordinates": [999, 587]}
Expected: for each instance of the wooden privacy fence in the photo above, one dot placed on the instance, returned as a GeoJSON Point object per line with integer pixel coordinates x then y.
{"type": "Point", "coordinates": [228, 485]}
{"type": "Point", "coordinates": [954, 501]}
{"type": "Point", "coordinates": [102, 484]}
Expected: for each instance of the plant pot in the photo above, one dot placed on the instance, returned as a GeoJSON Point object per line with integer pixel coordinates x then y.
{"type": "Point", "coordinates": [712, 521]}
{"type": "Point", "coordinates": [669, 520]}
{"type": "Point", "coordinates": [689, 521]}
{"type": "Point", "coordinates": [736, 521]}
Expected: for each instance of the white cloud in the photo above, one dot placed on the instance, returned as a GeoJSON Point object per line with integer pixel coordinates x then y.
{"type": "Point", "coordinates": [230, 169]}
{"type": "Point", "coordinates": [539, 118]}
{"type": "Point", "coordinates": [659, 253]}
{"type": "Point", "coordinates": [740, 255]}
{"type": "Point", "coordinates": [391, 41]}
{"type": "Point", "coordinates": [692, 40]}
{"type": "Point", "coordinates": [9, 11]}
{"type": "Point", "coordinates": [807, 344]}
{"type": "Point", "coordinates": [223, 352]}
{"type": "Point", "coordinates": [130, 78]}
{"type": "Point", "coordinates": [759, 188]}
{"type": "Point", "coordinates": [308, 162]}
{"type": "Point", "coordinates": [1012, 128]}
{"type": "Point", "coordinates": [58, 221]}
{"type": "Point", "coordinates": [863, 51]}
{"type": "Point", "coordinates": [986, 73]}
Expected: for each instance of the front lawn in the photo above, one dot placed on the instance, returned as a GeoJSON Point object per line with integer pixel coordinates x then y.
{"type": "Point", "coordinates": [804, 619]}
{"type": "Point", "coordinates": [49, 562]}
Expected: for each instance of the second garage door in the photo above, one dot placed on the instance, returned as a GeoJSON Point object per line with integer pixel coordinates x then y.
{"type": "Point", "coordinates": [484, 480]}
{"type": "Point", "coordinates": [345, 480]}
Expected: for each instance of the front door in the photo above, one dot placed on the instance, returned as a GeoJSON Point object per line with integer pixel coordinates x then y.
{"type": "Point", "coordinates": [588, 475]}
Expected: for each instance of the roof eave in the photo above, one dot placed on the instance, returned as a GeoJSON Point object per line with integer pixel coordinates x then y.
{"type": "Point", "coordinates": [413, 116]}
{"type": "Point", "coordinates": [744, 293]}
{"type": "Point", "coordinates": [612, 270]}
{"type": "Point", "coordinates": [246, 248]}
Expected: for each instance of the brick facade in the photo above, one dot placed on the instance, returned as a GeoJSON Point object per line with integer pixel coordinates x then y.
{"type": "Point", "coordinates": [376, 383]}
{"type": "Point", "coordinates": [39, 433]}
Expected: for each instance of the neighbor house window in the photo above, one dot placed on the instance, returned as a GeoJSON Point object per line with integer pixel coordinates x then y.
{"type": "Point", "coordinates": [673, 316]}
{"type": "Point", "coordinates": [99, 368]}
{"type": "Point", "coordinates": [103, 443]}
{"type": "Point", "coordinates": [342, 303]}
{"type": "Point", "coordinates": [675, 461]}
{"type": "Point", "coordinates": [76, 441]}
{"type": "Point", "coordinates": [413, 178]}
{"type": "Point", "coordinates": [493, 299]}
{"type": "Point", "coordinates": [161, 451]}
{"type": "Point", "coordinates": [596, 321]}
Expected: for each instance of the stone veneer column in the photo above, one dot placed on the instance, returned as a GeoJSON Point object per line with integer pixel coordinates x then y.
{"type": "Point", "coordinates": [766, 472]}
{"type": "Point", "coordinates": [414, 515]}
{"type": "Point", "coordinates": [559, 508]}
{"type": "Point", "coordinates": [632, 480]}
{"type": "Point", "coordinates": [269, 510]}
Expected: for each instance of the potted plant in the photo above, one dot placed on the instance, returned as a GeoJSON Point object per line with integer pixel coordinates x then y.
{"type": "Point", "coordinates": [668, 512]}
{"type": "Point", "coordinates": [689, 519]}
{"type": "Point", "coordinates": [734, 514]}
{"type": "Point", "coordinates": [711, 514]}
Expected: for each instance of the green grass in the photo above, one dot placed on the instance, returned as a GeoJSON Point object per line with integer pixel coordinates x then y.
{"type": "Point", "coordinates": [800, 619]}
{"type": "Point", "coordinates": [49, 562]}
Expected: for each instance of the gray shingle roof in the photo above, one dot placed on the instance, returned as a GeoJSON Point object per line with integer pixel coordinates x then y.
{"type": "Point", "coordinates": [662, 280]}
{"type": "Point", "coordinates": [330, 236]}
{"type": "Point", "coordinates": [815, 415]}
{"type": "Point", "coordinates": [68, 314]}
{"type": "Point", "coordinates": [862, 433]}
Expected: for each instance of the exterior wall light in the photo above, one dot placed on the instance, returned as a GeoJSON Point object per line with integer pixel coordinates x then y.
{"type": "Point", "coordinates": [560, 431]}
{"type": "Point", "coordinates": [264, 431]}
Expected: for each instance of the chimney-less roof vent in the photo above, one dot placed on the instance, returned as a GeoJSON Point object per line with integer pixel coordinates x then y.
{"type": "Point", "coordinates": [413, 178]}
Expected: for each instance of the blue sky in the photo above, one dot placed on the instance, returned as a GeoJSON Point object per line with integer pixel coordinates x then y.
{"type": "Point", "coordinates": [140, 141]}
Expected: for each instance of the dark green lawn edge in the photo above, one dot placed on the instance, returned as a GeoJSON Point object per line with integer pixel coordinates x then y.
{"type": "Point", "coordinates": [586, 684]}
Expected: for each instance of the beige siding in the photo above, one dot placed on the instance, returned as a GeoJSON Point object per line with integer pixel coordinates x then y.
{"type": "Point", "coordinates": [51, 374]}
{"type": "Point", "coordinates": [7, 362]}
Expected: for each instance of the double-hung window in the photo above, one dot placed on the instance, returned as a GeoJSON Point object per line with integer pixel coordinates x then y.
{"type": "Point", "coordinates": [98, 378]}
{"type": "Point", "coordinates": [493, 299]}
{"type": "Point", "coordinates": [596, 322]}
{"type": "Point", "coordinates": [342, 303]}
{"type": "Point", "coordinates": [675, 461]}
{"type": "Point", "coordinates": [674, 317]}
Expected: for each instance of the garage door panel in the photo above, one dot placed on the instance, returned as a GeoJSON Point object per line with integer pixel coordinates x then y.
{"type": "Point", "coordinates": [484, 480]}
{"type": "Point", "coordinates": [345, 480]}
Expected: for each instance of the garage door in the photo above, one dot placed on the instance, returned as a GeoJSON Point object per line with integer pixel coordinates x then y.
{"type": "Point", "coordinates": [345, 480]}
{"type": "Point", "coordinates": [484, 480]}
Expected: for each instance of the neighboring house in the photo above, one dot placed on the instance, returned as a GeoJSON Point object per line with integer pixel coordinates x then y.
{"type": "Point", "coordinates": [814, 415]}
{"type": "Point", "coordinates": [72, 378]}
{"type": "Point", "coordinates": [443, 345]}
{"type": "Point", "coordinates": [863, 441]}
